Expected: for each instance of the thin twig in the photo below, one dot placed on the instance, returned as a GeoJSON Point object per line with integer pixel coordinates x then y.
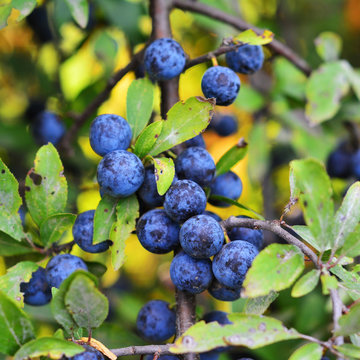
{"type": "Point", "coordinates": [275, 227]}
{"type": "Point", "coordinates": [337, 305]}
{"type": "Point", "coordinates": [236, 22]}
{"type": "Point", "coordinates": [143, 350]}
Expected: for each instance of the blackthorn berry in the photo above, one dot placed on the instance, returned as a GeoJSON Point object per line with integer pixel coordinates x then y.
{"type": "Point", "coordinates": [201, 237]}
{"type": "Point", "coordinates": [195, 141]}
{"type": "Point", "coordinates": [253, 236]}
{"type": "Point", "coordinates": [48, 127]}
{"type": "Point", "coordinates": [83, 233]}
{"type": "Point", "coordinates": [232, 262]}
{"type": "Point", "coordinates": [224, 125]}
{"type": "Point", "coordinates": [213, 215]}
{"type": "Point", "coordinates": [109, 132]}
{"type": "Point", "coordinates": [355, 164]}
{"type": "Point", "coordinates": [189, 274]}
{"type": "Point", "coordinates": [120, 173]}
{"type": "Point", "coordinates": [184, 199]}
{"type": "Point", "coordinates": [221, 83]}
{"type": "Point", "coordinates": [158, 233]}
{"type": "Point", "coordinates": [164, 59]}
{"type": "Point", "coordinates": [156, 321]}
{"type": "Point", "coordinates": [228, 185]}
{"type": "Point", "coordinates": [90, 353]}
{"type": "Point", "coordinates": [246, 59]}
{"type": "Point", "coordinates": [37, 291]}
{"type": "Point", "coordinates": [195, 164]}
{"type": "Point", "coordinates": [222, 292]}
{"type": "Point", "coordinates": [62, 266]}
{"type": "Point", "coordinates": [339, 162]}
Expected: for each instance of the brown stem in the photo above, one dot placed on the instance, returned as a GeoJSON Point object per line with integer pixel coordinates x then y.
{"type": "Point", "coordinates": [236, 22]}
{"type": "Point", "coordinates": [337, 305]}
{"type": "Point", "coordinates": [143, 350]}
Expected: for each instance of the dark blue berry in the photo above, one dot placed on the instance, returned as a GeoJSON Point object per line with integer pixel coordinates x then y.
{"type": "Point", "coordinates": [340, 162]}
{"type": "Point", "coordinates": [222, 292]}
{"type": "Point", "coordinates": [224, 125]}
{"type": "Point", "coordinates": [213, 215]}
{"type": "Point", "coordinates": [184, 199]}
{"type": "Point", "coordinates": [222, 84]}
{"type": "Point", "coordinates": [164, 59]}
{"type": "Point", "coordinates": [48, 127]}
{"type": "Point", "coordinates": [120, 173]}
{"type": "Point", "coordinates": [355, 164]}
{"type": "Point", "coordinates": [195, 141]}
{"type": "Point", "coordinates": [253, 236]}
{"type": "Point", "coordinates": [232, 262]}
{"type": "Point", "coordinates": [246, 59]}
{"type": "Point", "coordinates": [156, 321]}
{"type": "Point", "coordinates": [90, 353]}
{"type": "Point", "coordinates": [83, 233]}
{"type": "Point", "coordinates": [201, 237]}
{"type": "Point", "coordinates": [37, 291]}
{"type": "Point", "coordinates": [228, 185]}
{"type": "Point", "coordinates": [189, 274]}
{"type": "Point", "coordinates": [62, 266]}
{"type": "Point", "coordinates": [109, 132]}
{"type": "Point", "coordinates": [195, 164]}
{"type": "Point", "coordinates": [157, 233]}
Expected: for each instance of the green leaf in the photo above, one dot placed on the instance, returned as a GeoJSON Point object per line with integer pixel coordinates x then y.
{"type": "Point", "coordinates": [354, 79]}
{"type": "Point", "coordinates": [164, 174]}
{"type": "Point", "coordinates": [351, 246]}
{"type": "Point", "coordinates": [147, 139]}
{"type": "Point", "coordinates": [79, 10]}
{"type": "Point", "coordinates": [46, 187]}
{"type": "Point", "coordinates": [328, 283]}
{"type": "Point", "coordinates": [306, 283]}
{"type": "Point", "coordinates": [305, 232]}
{"type": "Point", "coordinates": [249, 99]}
{"type": "Point", "coordinates": [349, 324]}
{"type": "Point", "coordinates": [59, 334]}
{"type": "Point", "coordinates": [231, 157]}
{"type": "Point", "coordinates": [10, 247]}
{"type": "Point", "coordinates": [54, 226]}
{"type": "Point", "coordinates": [328, 45]}
{"type": "Point", "coordinates": [105, 216]}
{"type": "Point", "coordinates": [10, 202]}
{"type": "Point", "coordinates": [58, 307]}
{"type": "Point", "coordinates": [86, 304]}
{"type": "Point", "coordinates": [127, 211]}
{"type": "Point", "coordinates": [349, 350]}
{"type": "Point", "coordinates": [184, 121]}
{"type": "Point", "coordinates": [15, 326]}
{"type": "Point", "coordinates": [259, 304]}
{"type": "Point", "coordinates": [139, 105]}
{"type": "Point", "coordinates": [275, 268]}
{"type": "Point", "coordinates": [250, 37]}
{"type": "Point", "coordinates": [105, 49]}
{"type": "Point", "coordinates": [310, 351]}
{"type": "Point", "coordinates": [347, 217]}
{"type": "Point", "coordinates": [25, 7]}
{"type": "Point", "coordinates": [324, 91]}
{"type": "Point", "coordinates": [51, 347]}
{"type": "Point", "coordinates": [10, 282]}
{"type": "Point", "coordinates": [233, 202]}
{"type": "Point", "coordinates": [252, 331]}
{"type": "Point", "coordinates": [96, 268]}
{"type": "Point", "coordinates": [350, 280]}
{"type": "Point", "coordinates": [311, 184]}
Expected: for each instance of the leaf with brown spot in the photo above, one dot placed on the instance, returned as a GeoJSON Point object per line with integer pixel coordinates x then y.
{"type": "Point", "coordinates": [147, 139]}
{"type": "Point", "coordinates": [164, 174]}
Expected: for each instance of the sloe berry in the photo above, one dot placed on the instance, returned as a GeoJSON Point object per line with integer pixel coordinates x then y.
{"type": "Point", "coordinates": [213, 215]}
{"type": "Point", "coordinates": [224, 125]}
{"type": "Point", "coordinates": [90, 353]}
{"type": "Point", "coordinates": [222, 292]}
{"type": "Point", "coordinates": [120, 173]}
{"type": "Point", "coordinates": [198, 140]}
{"type": "Point", "coordinates": [340, 162]}
{"type": "Point", "coordinates": [246, 59]}
{"type": "Point", "coordinates": [48, 127]}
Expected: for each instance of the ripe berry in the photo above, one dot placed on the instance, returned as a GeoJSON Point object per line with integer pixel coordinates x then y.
{"type": "Point", "coordinates": [189, 274]}
{"type": "Point", "coordinates": [48, 127]}
{"type": "Point", "coordinates": [195, 164]}
{"type": "Point", "coordinates": [109, 132]}
{"type": "Point", "coordinates": [37, 291]}
{"type": "Point", "coordinates": [164, 59]}
{"type": "Point", "coordinates": [232, 262]}
{"type": "Point", "coordinates": [184, 199]}
{"type": "Point", "coordinates": [90, 353]}
{"type": "Point", "coordinates": [222, 292]}
{"type": "Point", "coordinates": [83, 233]}
{"type": "Point", "coordinates": [195, 141]}
{"type": "Point", "coordinates": [253, 236]}
{"type": "Point", "coordinates": [221, 83]}
{"type": "Point", "coordinates": [201, 237]}
{"type": "Point", "coordinates": [340, 162]}
{"type": "Point", "coordinates": [213, 215]}
{"type": "Point", "coordinates": [62, 266]}
{"type": "Point", "coordinates": [355, 164]}
{"type": "Point", "coordinates": [156, 321]}
{"type": "Point", "coordinates": [228, 185]}
{"type": "Point", "coordinates": [246, 59]}
{"type": "Point", "coordinates": [157, 233]}
{"type": "Point", "coordinates": [120, 173]}
{"type": "Point", "coordinates": [224, 125]}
